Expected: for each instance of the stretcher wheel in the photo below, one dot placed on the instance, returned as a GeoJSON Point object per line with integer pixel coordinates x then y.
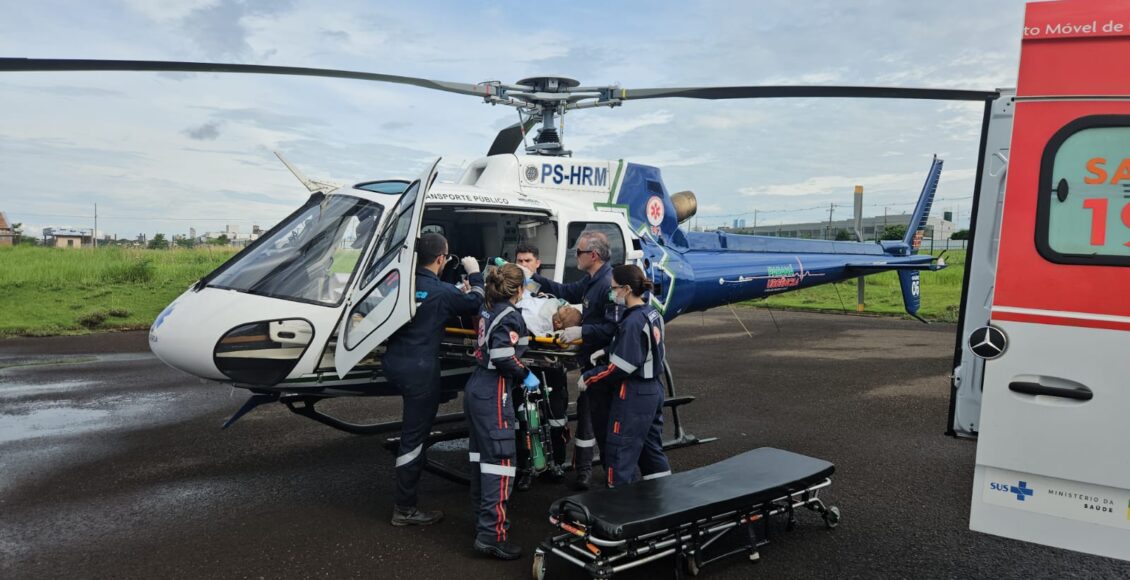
{"type": "Point", "coordinates": [690, 562]}
{"type": "Point", "coordinates": [538, 569]}
{"type": "Point", "coordinates": [832, 517]}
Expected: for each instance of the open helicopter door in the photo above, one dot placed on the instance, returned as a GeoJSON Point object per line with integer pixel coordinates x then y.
{"type": "Point", "coordinates": [383, 300]}
{"type": "Point", "coordinates": [1051, 462]}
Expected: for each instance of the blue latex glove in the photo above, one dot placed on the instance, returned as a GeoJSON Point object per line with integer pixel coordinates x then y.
{"type": "Point", "coordinates": [531, 383]}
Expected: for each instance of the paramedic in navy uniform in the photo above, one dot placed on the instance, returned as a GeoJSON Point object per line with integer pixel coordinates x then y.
{"type": "Point", "coordinates": [410, 366]}
{"type": "Point", "coordinates": [502, 339]}
{"type": "Point", "coordinates": [631, 376]}
{"type": "Point", "coordinates": [598, 324]}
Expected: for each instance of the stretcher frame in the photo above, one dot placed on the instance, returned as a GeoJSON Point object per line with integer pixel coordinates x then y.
{"type": "Point", "coordinates": [688, 542]}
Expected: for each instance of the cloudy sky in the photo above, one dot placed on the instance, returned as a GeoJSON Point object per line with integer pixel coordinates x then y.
{"type": "Point", "coordinates": [166, 152]}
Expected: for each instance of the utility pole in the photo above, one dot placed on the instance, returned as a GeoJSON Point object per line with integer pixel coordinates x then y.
{"type": "Point", "coordinates": [828, 231]}
{"type": "Point", "coordinates": [94, 234]}
{"type": "Point", "coordinates": [858, 201]}
{"type": "Point", "coordinates": [755, 222]}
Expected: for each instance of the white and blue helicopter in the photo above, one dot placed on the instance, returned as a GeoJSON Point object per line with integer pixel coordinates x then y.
{"type": "Point", "coordinates": [300, 315]}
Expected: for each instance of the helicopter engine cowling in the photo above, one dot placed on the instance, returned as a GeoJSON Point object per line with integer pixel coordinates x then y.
{"type": "Point", "coordinates": [686, 205]}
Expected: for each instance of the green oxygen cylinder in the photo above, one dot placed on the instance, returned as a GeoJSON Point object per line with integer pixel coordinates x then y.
{"type": "Point", "coordinates": [533, 423]}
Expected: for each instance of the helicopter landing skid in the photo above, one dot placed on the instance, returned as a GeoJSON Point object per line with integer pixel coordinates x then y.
{"type": "Point", "coordinates": [305, 404]}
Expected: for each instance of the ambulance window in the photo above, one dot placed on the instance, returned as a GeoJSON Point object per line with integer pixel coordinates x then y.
{"type": "Point", "coordinates": [1083, 209]}
{"type": "Point", "coordinates": [615, 243]}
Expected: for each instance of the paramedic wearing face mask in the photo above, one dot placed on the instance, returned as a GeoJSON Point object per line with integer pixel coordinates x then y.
{"type": "Point", "coordinates": [632, 377]}
{"type": "Point", "coordinates": [598, 324]}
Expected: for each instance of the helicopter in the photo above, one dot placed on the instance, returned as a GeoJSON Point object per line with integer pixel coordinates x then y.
{"type": "Point", "coordinates": [300, 315]}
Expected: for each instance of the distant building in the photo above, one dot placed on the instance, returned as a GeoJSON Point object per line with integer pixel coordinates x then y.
{"type": "Point", "coordinates": [7, 233]}
{"type": "Point", "coordinates": [739, 223]}
{"type": "Point", "coordinates": [234, 238]}
{"type": "Point", "coordinates": [936, 228]}
{"type": "Point", "coordinates": [67, 238]}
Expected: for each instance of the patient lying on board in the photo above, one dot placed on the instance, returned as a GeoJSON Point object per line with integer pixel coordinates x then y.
{"type": "Point", "coordinates": [545, 314]}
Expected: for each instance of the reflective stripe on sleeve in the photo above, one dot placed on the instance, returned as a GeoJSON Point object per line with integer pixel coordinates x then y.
{"type": "Point", "coordinates": [648, 361]}
{"type": "Point", "coordinates": [622, 364]}
{"type": "Point", "coordinates": [410, 456]}
{"type": "Point", "coordinates": [657, 475]}
{"type": "Point", "coordinates": [507, 471]}
{"type": "Point", "coordinates": [558, 422]}
{"type": "Point", "coordinates": [524, 341]}
{"type": "Point", "coordinates": [479, 291]}
{"type": "Point", "coordinates": [474, 457]}
{"type": "Point", "coordinates": [501, 352]}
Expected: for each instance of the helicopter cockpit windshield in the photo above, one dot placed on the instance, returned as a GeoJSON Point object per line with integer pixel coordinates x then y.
{"type": "Point", "coordinates": [310, 257]}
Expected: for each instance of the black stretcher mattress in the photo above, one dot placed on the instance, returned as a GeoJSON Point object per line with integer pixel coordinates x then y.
{"type": "Point", "coordinates": [739, 482]}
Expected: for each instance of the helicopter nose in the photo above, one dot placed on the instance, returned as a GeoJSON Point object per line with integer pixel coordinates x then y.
{"type": "Point", "coordinates": [177, 339]}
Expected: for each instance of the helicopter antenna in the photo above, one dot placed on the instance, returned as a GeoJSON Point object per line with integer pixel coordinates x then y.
{"type": "Point", "coordinates": [311, 184]}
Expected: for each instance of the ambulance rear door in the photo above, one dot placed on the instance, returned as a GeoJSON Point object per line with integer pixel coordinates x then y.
{"type": "Point", "coordinates": [1052, 462]}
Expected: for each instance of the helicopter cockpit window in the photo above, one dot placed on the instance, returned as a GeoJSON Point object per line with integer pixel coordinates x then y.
{"type": "Point", "coordinates": [312, 257]}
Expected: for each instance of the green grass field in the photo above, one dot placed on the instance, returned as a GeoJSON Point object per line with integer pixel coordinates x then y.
{"type": "Point", "coordinates": [941, 294]}
{"type": "Point", "coordinates": [49, 291]}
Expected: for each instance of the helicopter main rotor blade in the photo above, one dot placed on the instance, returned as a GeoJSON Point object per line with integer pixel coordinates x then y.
{"type": "Point", "coordinates": [510, 138]}
{"type": "Point", "coordinates": [53, 65]}
{"type": "Point", "coordinates": [770, 92]}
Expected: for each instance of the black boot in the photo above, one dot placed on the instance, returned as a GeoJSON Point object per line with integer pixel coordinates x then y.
{"type": "Point", "coordinates": [525, 480]}
{"type": "Point", "coordinates": [414, 517]}
{"type": "Point", "coordinates": [584, 480]}
{"type": "Point", "coordinates": [500, 550]}
{"type": "Point", "coordinates": [556, 473]}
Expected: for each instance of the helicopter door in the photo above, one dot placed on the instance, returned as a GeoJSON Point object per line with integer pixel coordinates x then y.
{"type": "Point", "coordinates": [383, 300]}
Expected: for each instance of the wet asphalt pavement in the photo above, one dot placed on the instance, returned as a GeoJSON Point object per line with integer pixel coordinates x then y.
{"type": "Point", "coordinates": [112, 465]}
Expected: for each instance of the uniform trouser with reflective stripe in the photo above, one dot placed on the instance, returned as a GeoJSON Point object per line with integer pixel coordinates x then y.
{"type": "Point", "coordinates": [559, 411]}
{"type": "Point", "coordinates": [490, 414]}
{"type": "Point", "coordinates": [635, 434]}
{"type": "Point", "coordinates": [592, 421]}
{"type": "Point", "coordinates": [419, 387]}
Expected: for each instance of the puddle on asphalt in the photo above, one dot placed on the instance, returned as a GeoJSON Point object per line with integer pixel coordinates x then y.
{"type": "Point", "coordinates": [55, 420]}
{"type": "Point", "coordinates": [50, 421]}
{"type": "Point", "coordinates": [36, 361]}
{"type": "Point", "coordinates": [14, 390]}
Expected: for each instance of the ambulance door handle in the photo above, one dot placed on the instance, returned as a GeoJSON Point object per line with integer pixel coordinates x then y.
{"type": "Point", "coordinates": [1079, 393]}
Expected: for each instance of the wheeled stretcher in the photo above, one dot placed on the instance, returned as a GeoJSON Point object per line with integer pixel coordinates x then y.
{"type": "Point", "coordinates": [684, 515]}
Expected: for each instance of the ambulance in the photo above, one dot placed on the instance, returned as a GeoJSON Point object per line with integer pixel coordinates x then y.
{"type": "Point", "coordinates": [1042, 363]}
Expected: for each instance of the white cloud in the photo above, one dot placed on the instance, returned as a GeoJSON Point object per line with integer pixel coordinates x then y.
{"type": "Point", "coordinates": [126, 140]}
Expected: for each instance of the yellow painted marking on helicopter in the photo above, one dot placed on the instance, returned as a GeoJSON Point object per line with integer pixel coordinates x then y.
{"type": "Point", "coordinates": [623, 93]}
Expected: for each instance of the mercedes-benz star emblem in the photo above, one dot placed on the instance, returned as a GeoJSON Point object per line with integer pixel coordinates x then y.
{"type": "Point", "coordinates": [988, 342]}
